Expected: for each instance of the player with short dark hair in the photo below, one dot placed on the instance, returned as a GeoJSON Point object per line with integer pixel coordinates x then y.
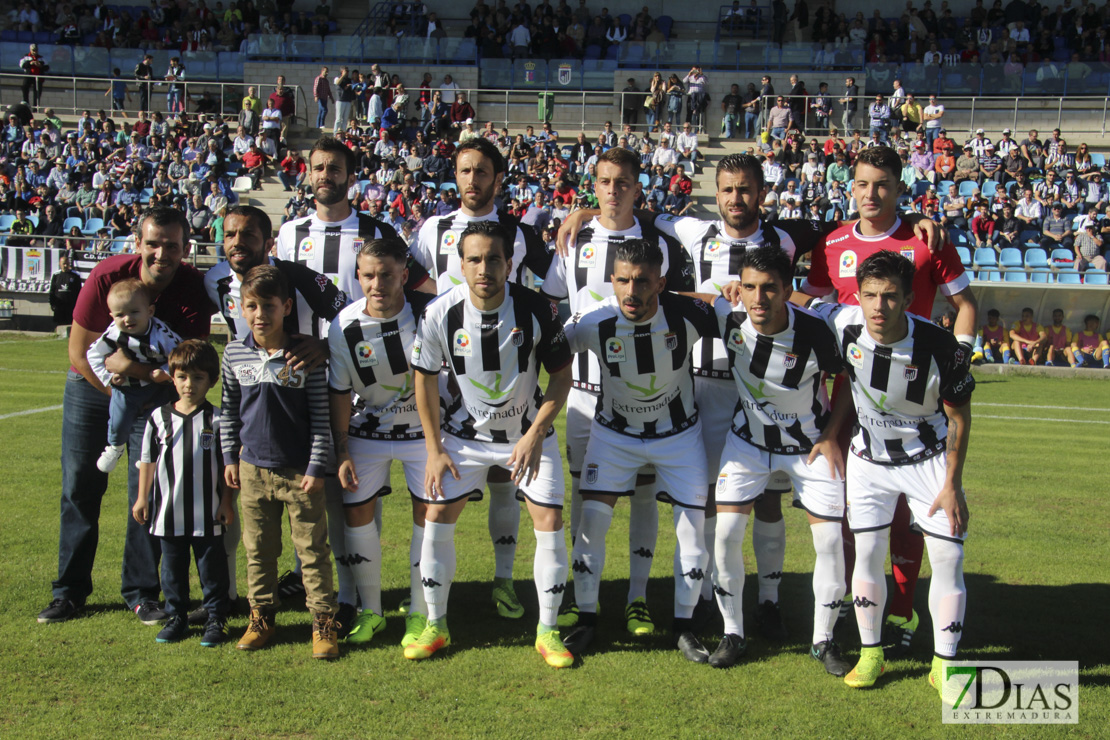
{"type": "Point", "coordinates": [494, 335]}
{"type": "Point", "coordinates": [912, 392]}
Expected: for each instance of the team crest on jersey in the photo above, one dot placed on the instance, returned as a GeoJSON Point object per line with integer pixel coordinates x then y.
{"type": "Point", "coordinates": [231, 307]}
{"type": "Point", "coordinates": [910, 373]}
{"type": "Point", "coordinates": [306, 248]}
{"type": "Point", "coordinates": [614, 350]}
{"type": "Point", "coordinates": [789, 360]}
{"type": "Point", "coordinates": [206, 437]}
{"type": "Point", "coordinates": [364, 354]}
{"type": "Point", "coordinates": [735, 341]}
{"type": "Point", "coordinates": [848, 264]}
{"type": "Point", "coordinates": [713, 247]}
{"type": "Point", "coordinates": [356, 244]}
{"type": "Point", "coordinates": [461, 345]}
{"type": "Point", "coordinates": [907, 252]}
{"type": "Point", "coordinates": [670, 340]}
{"type": "Point", "coordinates": [588, 256]}
{"type": "Point", "coordinates": [855, 355]}
{"type": "Point", "coordinates": [247, 375]}
{"type": "Point", "coordinates": [591, 473]}
{"type": "Point", "coordinates": [450, 239]}
{"type": "Point", "coordinates": [516, 336]}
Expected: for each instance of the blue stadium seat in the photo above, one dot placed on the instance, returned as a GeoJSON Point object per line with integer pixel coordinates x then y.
{"type": "Point", "coordinates": [1015, 276]}
{"type": "Point", "coordinates": [593, 51]}
{"type": "Point", "coordinates": [990, 187]}
{"type": "Point", "coordinates": [613, 52]}
{"type": "Point", "coordinates": [992, 276]}
{"type": "Point", "coordinates": [665, 22]}
{"type": "Point", "coordinates": [70, 222]}
{"type": "Point", "coordinates": [33, 219]}
{"type": "Point", "coordinates": [1010, 258]}
{"type": "Point", "coordinates": [1030, 237]}
{"type": "Point", "coordinates": [6, 221]}
{"type": "Point", "coordinates": [644, 179]}
{"type": "Point", "coordinates": [450, 185]}
{"type": "Point", "coordinates": [965, 256]}
{"type": "Point", "coordinates": [1062, 258]}
{"type": "Point", "coordinates": [920, 188]}
{"type": "Point", "coordinates": [1068, 277]}
{"type": "Point", "coordinates": [146, 193]}
{"type": "Point", "coordinates": [1095, 276]}
{"type": "Point", "coordinates": [92, 226]}
{"type": "Point", "coordinates": [1098, 159]}
{"type": "Point", "coordinates": [967, 187]}
{"type": "Point", "coordinates": [1036, 258]}
{"type": "Point", "coordinates": [625, 19]}
{"type": "Point", "coordinates": [986, 257]}
{"type": "Point", "coordinates": [959, 237]}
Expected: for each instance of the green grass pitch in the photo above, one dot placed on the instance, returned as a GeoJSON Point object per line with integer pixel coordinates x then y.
{"type": "Point", "coordinates": [1037, 576]}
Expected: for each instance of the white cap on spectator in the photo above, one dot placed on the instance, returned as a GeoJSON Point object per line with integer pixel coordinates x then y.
{"type": "Point", "coordinates": [980, 131]}
{"type": "Point", "coordinates": [1006, 131]}
{"type": "Point", "coordinates": [469, 121]}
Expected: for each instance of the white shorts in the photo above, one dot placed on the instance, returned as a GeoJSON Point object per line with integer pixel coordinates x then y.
{"type": "Point", "coordinates": [746, 470]}
{"type": "Point", "coordinates": [581, 407]}
{"type": "Point", "coordinates": [716, 399]}
{"type": "Point", "coordinates": [474, 459]}
{"type": "Point", "coordinates": [372, 459]}
{"type": "Point", "coordinates": [613, 460]}
{"type": "Point", "coordinates": [873, 492]}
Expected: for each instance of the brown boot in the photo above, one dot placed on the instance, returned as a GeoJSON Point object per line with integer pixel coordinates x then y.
{"type": "Point", "coordinates": [259, 631]}
{"type": "Point", "coordinates": [325, 642]}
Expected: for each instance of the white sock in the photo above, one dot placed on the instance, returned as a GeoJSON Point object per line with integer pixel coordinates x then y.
{"type": "Point", "coordinates": [869, 584]}
{"type": "Point", "coordinates": [549, 569]}
{"type": "Point", "coordinates": [947, 594]}
{"type": "Point", "coordinates": [504, 526]}
{"type": "Point", "coordinates": [589, 553]}
{"type": "Point", "coordinates": [437, 567]}
{"type": "Point", "coordinates": [416, 588]}
{"type": "Point", "coordinates": [728, 553]}
{"type": "Point", "coordinates": [575, 506]}
{"type": "Point", "coordinates": [690, 559]}
{"type": "Point", "coordinates": [828, 578]}
{"type": "Point", "coordinates": [344, 579]}
{"type": "Point", "coordinates": [643, 531]}
{"type": "Point", "coordinates": [233, 533]}
{"type": "Point", "coordinates": [364, 556]}
{"type": "Point", "coordinates": [710, 547]}
{"type": "Point", "coordinates": [769, 544]}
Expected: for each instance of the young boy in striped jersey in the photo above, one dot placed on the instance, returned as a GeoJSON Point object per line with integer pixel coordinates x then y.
{"type": "Point", "coordinates": [135, 330]}
{"type": "Point", "coordinates": [182, 494]}
{"type": "Point", "coordinates": [275, 444]}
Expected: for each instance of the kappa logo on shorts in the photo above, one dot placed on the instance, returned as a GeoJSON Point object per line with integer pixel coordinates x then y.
{"type": "Point", "coordinates": [591, 473]}
{"type": "Point", "coordinates": [910, 373]}
{"type": "Point", "coordinates": [848, 264]}
{"type": "Point", "coordinates": [614, 350]}
{"type": "Point", "coordinates": [461, 345]}
{"type": "Point", "coordinates": [364, 353]}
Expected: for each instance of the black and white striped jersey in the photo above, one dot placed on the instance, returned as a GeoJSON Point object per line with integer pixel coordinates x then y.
{"type": "Point", "coordinates": [784, 404]}
{"type": "Point", "coordinates": [370, 357]}
{"type": "Point", "coordinates": [898, 389]}
{"type": "Point", "coordinates": [332, 248]}
{"type": "Point", "coordinates": [188, 465]}
{"type": "Point", "coordinates": [647, 388]}
{"type": "Point", "coordinates": [153, 347]}
{"type": "Point", "coordinates": [716, 261]}
{"type": "Point", "coordinates": [495, 357]}
{"type": "Point", "coordinates": [584, 277]}
{"type": "Point", "coordinates": [316, 299]}
{"type": "Point", "coordinates": [436, 248]}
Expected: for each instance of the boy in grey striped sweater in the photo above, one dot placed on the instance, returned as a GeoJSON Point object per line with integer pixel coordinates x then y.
{"type": "Point", "coordinates": [275, 437]}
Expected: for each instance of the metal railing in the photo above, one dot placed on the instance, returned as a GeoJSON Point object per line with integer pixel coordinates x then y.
{"type": "Point", "coordinates": [964, 114]}
{"type": "Point", "coordinates": [74, 95]}
{"type": "Point", "coordinates": [71, 61]}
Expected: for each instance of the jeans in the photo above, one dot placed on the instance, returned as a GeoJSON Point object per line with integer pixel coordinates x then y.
{"type": "Point", "coordinates": [674, 110]}
{"type": "Point", "coordinates": [127, 405]}
{"type": "Point", "coordinates": [846, 123]}
{"type": "Point", "coordinates": [287, 180]}
{"type": "Point", "coordinates": [173, 100]}
{"type": "Point", "coordinates": [211, 560]}
{"type": "Point", "coordinates": [342, 114]}
{"type": "Point", "coordinates": [731, 125]}
{"type": "Point", "coordinates": [652, 118]}
{"type": "Point", "coordinates": [321, 112]}
{"type": "Point", "coordinates": [144, 96]}
{"type": "Point", "coordinates": [778, 133]}
{"type": "Point", "coordinates": [751, 124]}
{"type": "Point", "coordinates": [931, 136]}
{"type": "Point", "coordinates": [84, 434]}
{"type": "Point", "coordinates": [822, 122]}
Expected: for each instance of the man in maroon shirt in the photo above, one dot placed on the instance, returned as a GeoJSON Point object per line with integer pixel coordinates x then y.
{"type": "Point", "coordinates": [182, 303]}
{"type": "Point", "coordinates": [283, 100]}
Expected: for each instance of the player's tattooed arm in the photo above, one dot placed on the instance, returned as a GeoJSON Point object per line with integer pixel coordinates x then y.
{"type": "Point", "coordinates": [951, 496]}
